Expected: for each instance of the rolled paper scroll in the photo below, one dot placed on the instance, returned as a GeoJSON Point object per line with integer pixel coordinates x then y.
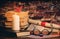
{"type": "Point", "coordinates": [49, 29]}
{"type": "Point", "coordinates": [40, 28]}
{"type": "Point", "coordinates": [45, 24]}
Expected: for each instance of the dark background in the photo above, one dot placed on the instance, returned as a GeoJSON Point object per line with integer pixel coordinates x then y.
{"type": "Point", "coordinates": [2, 2]}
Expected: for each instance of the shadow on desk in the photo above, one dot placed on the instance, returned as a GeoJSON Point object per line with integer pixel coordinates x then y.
{"type": "Point", "coordinates": [4, 34]}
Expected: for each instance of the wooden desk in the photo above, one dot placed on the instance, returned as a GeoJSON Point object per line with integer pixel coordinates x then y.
{"type": "Point", "coordinates": [27, 37]}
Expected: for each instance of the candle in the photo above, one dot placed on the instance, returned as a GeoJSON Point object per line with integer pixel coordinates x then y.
{"type": "Point", "coordinates": [16, 22]}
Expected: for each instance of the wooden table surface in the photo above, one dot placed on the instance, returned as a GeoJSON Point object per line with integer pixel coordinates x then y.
{"type": "Point", "coordinates": [26, 38]}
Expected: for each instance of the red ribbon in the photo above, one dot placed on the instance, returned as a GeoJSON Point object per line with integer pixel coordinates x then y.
{"type": "Point", "coordinates": [43, 24]}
